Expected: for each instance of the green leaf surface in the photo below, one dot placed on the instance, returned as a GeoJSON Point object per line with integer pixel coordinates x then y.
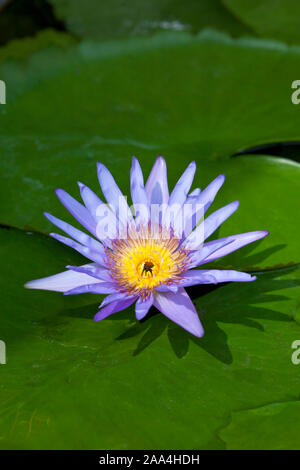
{"type": "Point", "coordinates": [169, 89]}
{"type": "Point", "coordinates": [275, 19]}
{"type": "Point", "coordinates": [22, 49]}
{"type": "Point", "coordinates": [116, 18]}
{"type": "Point", "coordinates": [275, 426]}
{"type": "Point", "coordinates": [168, 94]}
{"type": "Point", "coordinates": [70, 383]}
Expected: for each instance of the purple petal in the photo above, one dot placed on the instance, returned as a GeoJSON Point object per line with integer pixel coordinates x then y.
{"type": "Point", "coordinates": [101, 287]}
{"type": "Point", "coordinates": [96, 256]}
{"type": "Point", "coordinates": [182, 187]}
{"type": "Point", "coordinates": [113, 195]}
{"type": "Point", "coordinates": [90, 199]}
{"type": "Point", "coordinates": [62, 282]}
{"type": "Point", "coordinates": [198, 256]}
{"type": "Point", "coordinates": [157, 183]}
{"type": "Point", "coordinates": [142, 307]}
{"type": "Point", "coordinates": [116, 296]}
{"type": "Point", "coordinates": [213, 276]}
{"type": "Point", "coordinates": [138, 193]}
{"type": "Point", "coordinates": [209, 193]}
{"type": "Point", "coordinates": [201, 203]}
{"type": "Point", "coordinates": [214, 220]}
{"type": "Point", "coordinates": [180, 309]}
{"type": "Point", "coordinates": [77, 210]}
{"type": "Point", "coordinates": [209, 225]}
{"type": "Point", "coordinates": [195, 192]}
{"type": "Point", "coordinates": [166, 288]}
{"type": "Point", "coordinates": [192, 278]}
{"type": "Point", "coordinates": [223, 246]}
{"type": "Point", "coordinates": [78, 235]}
{"type": "Point", "coordinates": [113, 307]}
{"type": "Point", "coordinates": [191, 200]}
{"type": "Point", "coordinates": [104, 217]}
{"type": "Point", "coordinates": [173, 216]}
{"type": "Point", "coordinates": [93, 270]}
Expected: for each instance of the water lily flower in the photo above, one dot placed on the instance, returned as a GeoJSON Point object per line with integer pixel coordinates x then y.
{"type": "Point", "coordinates": [149, 257]}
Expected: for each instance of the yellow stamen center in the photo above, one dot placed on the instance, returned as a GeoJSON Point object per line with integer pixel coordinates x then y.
{"type": "Point", "coordinates": [145, 260]}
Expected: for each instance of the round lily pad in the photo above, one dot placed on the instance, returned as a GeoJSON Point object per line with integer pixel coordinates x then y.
{"type": "Point", "coordinates": [170, 94]}
{"type": "Point", "coordinates": [71, 383]}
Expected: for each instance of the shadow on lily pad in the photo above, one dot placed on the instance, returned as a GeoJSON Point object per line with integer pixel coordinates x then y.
{"type": "Point", "coordinates": [219, 304]}
{"type": "Point", "coordinates": [244, 257]}
{"type": "Point", "coordinates": [224, 303]}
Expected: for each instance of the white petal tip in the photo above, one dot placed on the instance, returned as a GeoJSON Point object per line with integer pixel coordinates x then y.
{"type": "Point", "coordinates": [234, 205]}
{"type": "Point", "coordinates": [199, 334]}
{"type": "Point", "coordinates": [197, 330]}
{"type": "Point", "coordinates": [259, 234]}
{"type": "Point", "coordinates": [32, 285]}
{"type": "Point", "coordinates": [161, 160]}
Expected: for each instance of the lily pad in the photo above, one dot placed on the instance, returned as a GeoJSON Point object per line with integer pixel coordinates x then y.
{"type": "Point", "coordinates": [277, 19]}
{"type": "Point", "coordinates": [274, 426]}
{"type": "Point", "coordinates": [120, 384]}
{"type": "Point", "coordinates": [169, 89]}
{"type": "Point", "coordinates": [22, 49]}
{"type": "Point", "coordinates": [169, 94]}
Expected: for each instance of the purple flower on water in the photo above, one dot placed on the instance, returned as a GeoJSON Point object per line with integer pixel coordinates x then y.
{"type": "Point", "coordinates": [147, 255]}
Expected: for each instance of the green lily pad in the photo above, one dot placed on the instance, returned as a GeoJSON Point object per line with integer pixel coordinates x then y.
{"type": "Point", "coordinates": [116, 18]}
{"type": "Point", "coordinates": [256, 182]}
{"type": "Point", "coordinates": [277, 19]}
{"type": "Point", "coordinates": [169, 89]}
{"type": "Point", "coordinates": [168, 94]}
{"type": "Point", "coordinates": [274, 426]}
{"type": "Point", "coordinates": [22, 49]}
{"type": "Point", "coordinates": [70, 383]}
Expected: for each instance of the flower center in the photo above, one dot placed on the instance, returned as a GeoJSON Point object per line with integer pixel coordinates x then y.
{"type": "Point", "coordinates": [144, 261]}
{"type": "Point", "coordinates": [147, 268]}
